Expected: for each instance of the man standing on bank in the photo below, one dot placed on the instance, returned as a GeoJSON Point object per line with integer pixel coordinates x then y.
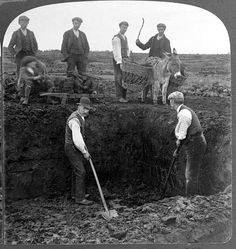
{"type": "Point", "coordinates": [120, 50]}
{"type": "Point", "coordinates": [189, 134]}
{"type": "Point", "coordinates": [23, 42]}
{"type": "Point", "coordinates": [157, 43]}
{"type": "Point", "coordinates": [76, 150]}
{"type": "Point", "coordinates": [75, 48]}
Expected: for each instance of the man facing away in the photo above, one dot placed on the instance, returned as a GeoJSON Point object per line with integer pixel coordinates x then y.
{"type": "Point", "coordinates": [23, 42]}
{"type": "Point", "coordinates": [120, 50]}
{"type": "Point", "coordinates": [157, 43]}
{"type": "Point", "coordinates": [75, 48]}
{"type": "Point", "coordinates": [189, 134]}
{"type": "Point", "coordinates": [76, 150]}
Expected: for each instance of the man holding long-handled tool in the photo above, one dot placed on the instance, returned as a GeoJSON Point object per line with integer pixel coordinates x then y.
{"type": "Point", "coordinates": [189, 134]}
{"type": "Point", "coordinates": [76, 150]}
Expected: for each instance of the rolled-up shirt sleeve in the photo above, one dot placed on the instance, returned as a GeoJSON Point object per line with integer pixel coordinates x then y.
{"type": "Point", "coordinates": [184, 121]}
{"type": "Point", "coordinates": [116, 48]}
{"type": "Point", "coordinates": [76, 135]}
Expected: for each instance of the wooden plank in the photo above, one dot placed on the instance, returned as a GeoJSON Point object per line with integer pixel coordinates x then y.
{"type": "Point", "coordinates": [65, 96]}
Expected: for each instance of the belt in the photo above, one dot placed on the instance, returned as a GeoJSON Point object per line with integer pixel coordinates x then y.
{"type": "Point", "coordinates": [192, 136]}
{"type": "Point", "coordinates": [200, 133]}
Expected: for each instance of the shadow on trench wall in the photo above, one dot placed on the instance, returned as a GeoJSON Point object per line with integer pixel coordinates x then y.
{"type": "Point", "coordinates": [129, 145]}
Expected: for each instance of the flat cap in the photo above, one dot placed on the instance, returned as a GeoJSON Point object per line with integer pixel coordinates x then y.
{"type": "Point", "coordinates": [78, 19]}
{"type": "Point", "coordinates": [161, 25]}
{"type": "Point", "coordinates": [176, 95]}
{"type": "Point", "coordinates": [123, 23]}
{"type": "Point", "coordinates": [23, 18]}
{"type": "Point", "coordinates": [84, 101]}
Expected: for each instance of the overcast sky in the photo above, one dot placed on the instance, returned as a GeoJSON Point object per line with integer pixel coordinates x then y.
{"type": "Point", "coordinates": [190, 29]}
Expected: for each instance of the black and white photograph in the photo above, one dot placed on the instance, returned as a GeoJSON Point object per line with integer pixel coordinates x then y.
{"type": "Point", "coordinates": [116, 124]}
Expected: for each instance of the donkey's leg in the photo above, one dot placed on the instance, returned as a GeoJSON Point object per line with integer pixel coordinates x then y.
{"type": "Point", "coordinates": [144, 92]}
{"type": "Point", "coordinates": [151, 90]}
{"type": "Point", "coordinates": [155, 89]}
{"type": "Point", "coordinates": [164, 90]}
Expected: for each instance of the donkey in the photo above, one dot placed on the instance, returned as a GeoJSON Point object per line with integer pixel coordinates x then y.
{"type": "Point", "coordinates": [162, 69]}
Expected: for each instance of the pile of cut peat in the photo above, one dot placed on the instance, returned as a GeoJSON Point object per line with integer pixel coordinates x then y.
{"type": "Point", "coordinates": [171, 220]}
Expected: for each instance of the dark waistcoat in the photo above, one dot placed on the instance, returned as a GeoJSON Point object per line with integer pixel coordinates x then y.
{"type": "Point", "coordinates": [124, 45]}
{"type": "Point", "coordinates": [76, 45]}
{"type": "Point", "coordinates": [68, 132]}
{"type": "Point", "coordinates": [25, 41]}
{"type": "Point", "coordinates": [195, 126]}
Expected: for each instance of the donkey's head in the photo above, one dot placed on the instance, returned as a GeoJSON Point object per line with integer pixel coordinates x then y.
{"type": "Point", "coordinates": [173, 63]}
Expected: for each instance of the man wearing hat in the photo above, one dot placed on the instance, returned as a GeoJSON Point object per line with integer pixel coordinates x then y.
{"type": "Point", "coordinates": [75, 48]}
{"type": "Point", "coordinates": [23, 42]}
{"type": "Point", "coordinates": [120, 50]}
{"type": "Point", "coordinates": [157, 43]}
{"type": "Point", "coordinates": [33, 75]}
{"type": "Point", "coordinates": [189, 134]}
{"type": "Point", "coordinates": [76, 150]}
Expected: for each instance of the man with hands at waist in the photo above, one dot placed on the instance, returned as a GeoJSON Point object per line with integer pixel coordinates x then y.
{"type": "Point", "coordinates": [76, 150]}
{"type": "Point", "coordinates": [189, 134]}
{"type": "Point", "coordinates": [120, 50]}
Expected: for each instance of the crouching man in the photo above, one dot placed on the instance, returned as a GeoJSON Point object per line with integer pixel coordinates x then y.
{"type": "Point", "coordinates": [189, 134]}
{"type": "Point", "coordinates": [33, 75]}
{"type": "Point", "coordinates": [76, 150]}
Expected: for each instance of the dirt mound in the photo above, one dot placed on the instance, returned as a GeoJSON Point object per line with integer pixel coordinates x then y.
{"type": "Point", "coordinates": [171, 220]}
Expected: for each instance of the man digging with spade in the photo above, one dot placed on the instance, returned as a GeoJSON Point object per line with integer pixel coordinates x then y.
{"type": "Point", "coordinates": [76, 150]}
{"type": "Point", "coordinates": [189, 134]}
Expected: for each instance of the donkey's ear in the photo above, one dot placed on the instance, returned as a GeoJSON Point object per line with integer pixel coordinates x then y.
{"type": "Point", "coordinates": [174, 51]}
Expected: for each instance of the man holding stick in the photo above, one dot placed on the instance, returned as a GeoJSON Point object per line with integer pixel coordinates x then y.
{"type": "Point", "coordinates": [158, 43]}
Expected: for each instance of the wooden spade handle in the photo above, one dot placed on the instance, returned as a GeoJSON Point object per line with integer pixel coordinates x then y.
{"type": "Point", "coordinates": [99, 187]}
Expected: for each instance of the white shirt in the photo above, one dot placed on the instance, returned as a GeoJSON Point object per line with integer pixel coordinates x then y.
{"type": "Point", "coordinates": [24, 31]}
{"type": "Point", "coordinates": [116, 48]}
{"type": "Point", "coordinates": [184, 121]}
{"type": "Point", "coordinates": [76, 32]}
{"type": "Point", "coordinates": [159, 37]}
{"type": "Point", "coordinates": [77, 138]}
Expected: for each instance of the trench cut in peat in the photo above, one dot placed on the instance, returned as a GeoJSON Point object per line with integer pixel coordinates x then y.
{"type": "Point", "coordinates": [131, 146]}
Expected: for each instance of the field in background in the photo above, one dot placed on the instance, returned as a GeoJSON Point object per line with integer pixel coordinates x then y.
{"type": "Point", "coordinates": [203, 71]}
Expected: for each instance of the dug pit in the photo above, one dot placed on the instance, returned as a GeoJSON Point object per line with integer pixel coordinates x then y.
{"type": "Point", "coordinates": [131, 147]}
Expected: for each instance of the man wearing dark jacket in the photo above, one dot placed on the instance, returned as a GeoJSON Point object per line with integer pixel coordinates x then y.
{"type": "Point", "coordinates": [189, 134]}
{"type": "Point", "coordinates": [75, 48]}
{"type": "Point", "coordinates": [23, 42]}
{"type": "Point", "coordinates": [157, 43]}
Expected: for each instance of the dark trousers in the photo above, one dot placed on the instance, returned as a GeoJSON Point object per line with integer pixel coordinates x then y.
{"type": "Point", "coordinates": [19, 58]}
{"type": "Point", "coordinates": [78, 61]}
{"type": "Point", "coordinates": [78, 172]}
{"type": "Point", "coordinates": [195, 149]}
{"type": "Point", "coordinates": [120, 91]}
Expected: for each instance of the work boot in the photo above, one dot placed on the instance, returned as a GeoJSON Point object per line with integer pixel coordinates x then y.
{"type": "Point", "coordinates": [27, 94]}
{"type": "Point", "coordinates": [73, 197]}
{"type": "Point", "coordinates": [84, 202]}
{"type": "Point", "coordinates": [122, 100]}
